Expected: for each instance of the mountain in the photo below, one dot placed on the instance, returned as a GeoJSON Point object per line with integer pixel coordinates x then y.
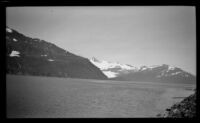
{"type": "Point", "coordinates": [32, 56]}
{"type": "Point", "coordinates": [156, 73]}
{"type": "Point", "coordinates": [111, 69]}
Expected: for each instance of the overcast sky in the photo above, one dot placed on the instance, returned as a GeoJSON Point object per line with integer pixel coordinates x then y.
{"type": "Point", "coordinates": [129, 35]}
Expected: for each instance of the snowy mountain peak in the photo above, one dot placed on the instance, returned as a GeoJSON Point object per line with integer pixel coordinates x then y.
{"type": "Point", "coordinates": [103, 65]}
{"type": "Point", "coordinates": [111, 69]}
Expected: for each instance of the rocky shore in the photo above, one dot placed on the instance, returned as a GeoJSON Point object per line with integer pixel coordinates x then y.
{"type": "Point", "coordinates": [185, 109]}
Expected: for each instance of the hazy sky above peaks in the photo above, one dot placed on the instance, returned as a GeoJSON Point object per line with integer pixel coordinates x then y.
{"type": "Point", "coordinates": [135, 35]}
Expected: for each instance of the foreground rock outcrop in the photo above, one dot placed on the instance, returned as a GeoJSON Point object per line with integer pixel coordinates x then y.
{"type": "Point", "coordinates": [184, 109]}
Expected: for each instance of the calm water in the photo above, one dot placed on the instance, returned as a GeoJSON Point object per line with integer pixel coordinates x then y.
{"type": "Point", "coordinates": [45, 97]}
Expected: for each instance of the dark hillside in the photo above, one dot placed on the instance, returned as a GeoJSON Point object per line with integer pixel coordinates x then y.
{"type": "Point", "coordinates": [30, 56]}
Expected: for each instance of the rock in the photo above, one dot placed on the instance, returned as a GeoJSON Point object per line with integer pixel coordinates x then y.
{"type": "Point", "coordinates": [184, 109]}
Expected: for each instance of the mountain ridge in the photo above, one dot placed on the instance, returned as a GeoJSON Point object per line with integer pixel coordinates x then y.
{"type": "Point", "coordinates": [155, 73]}
{"type": "Point", "coordinates": [32, 56]}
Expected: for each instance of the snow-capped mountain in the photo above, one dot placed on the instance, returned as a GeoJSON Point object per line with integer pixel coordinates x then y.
{"type": "Point", "coordinates": [124, 72]}
{"type": "Point", "coordinates": [111, 69]}
{"type": "Point", "coordinates": [32, 56]}
{"type": "Point", "coordinates": [103, 65]}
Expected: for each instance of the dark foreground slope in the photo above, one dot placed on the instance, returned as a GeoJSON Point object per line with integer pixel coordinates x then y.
{"type": "Point", "coordinates": [52, 97]}
{"type": "Point", "coordinates": [28, 56]}
{"type": "Point", "coordinates": [184, 109]}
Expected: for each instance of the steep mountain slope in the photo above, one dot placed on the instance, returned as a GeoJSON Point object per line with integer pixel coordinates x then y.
{"type": "Point", "coordinates": [156, 73]}
{"type": "Point", "coordinates": [33, 56]}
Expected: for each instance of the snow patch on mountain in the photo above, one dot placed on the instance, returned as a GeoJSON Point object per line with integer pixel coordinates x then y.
{"type": "Point", "coordinates": [153, 66]}
{"type": "Point", "coordinates": [103, 64]}
{"type": "Point", "coordinates": [167, 73]}
{"type": "Point", "coordinates": [110, 74]}
{"type": "Point", "coordinates": [171, 68]}
{"type": "Point", "coordinates": [9, 30]}
{"type": "Point", "coordinates": [15, 40]}
{"type": "Point", "coordinates": [127, 67]}
{"type": "Point", "coordinates": [44, 55]}
{"type": "Point", "coordinates": [175, 73]}
{"type": "Point", "coordinates": [15, 53]}
{"type": "Point", "coordinates": [36, 39]}
{"type": "Point", "coordinates": [143, 68]}
{"type": "Point", "coordinates": [51, 60]}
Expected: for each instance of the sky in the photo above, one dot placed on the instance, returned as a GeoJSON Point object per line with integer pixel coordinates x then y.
{"type": "Point", "coordinates": [135, 35]}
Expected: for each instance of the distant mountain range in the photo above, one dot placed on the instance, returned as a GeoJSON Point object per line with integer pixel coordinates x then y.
{"type": "Point", "coordinates": [32, 56]}
{"type": "Point", "coordinates": [156, 73]}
